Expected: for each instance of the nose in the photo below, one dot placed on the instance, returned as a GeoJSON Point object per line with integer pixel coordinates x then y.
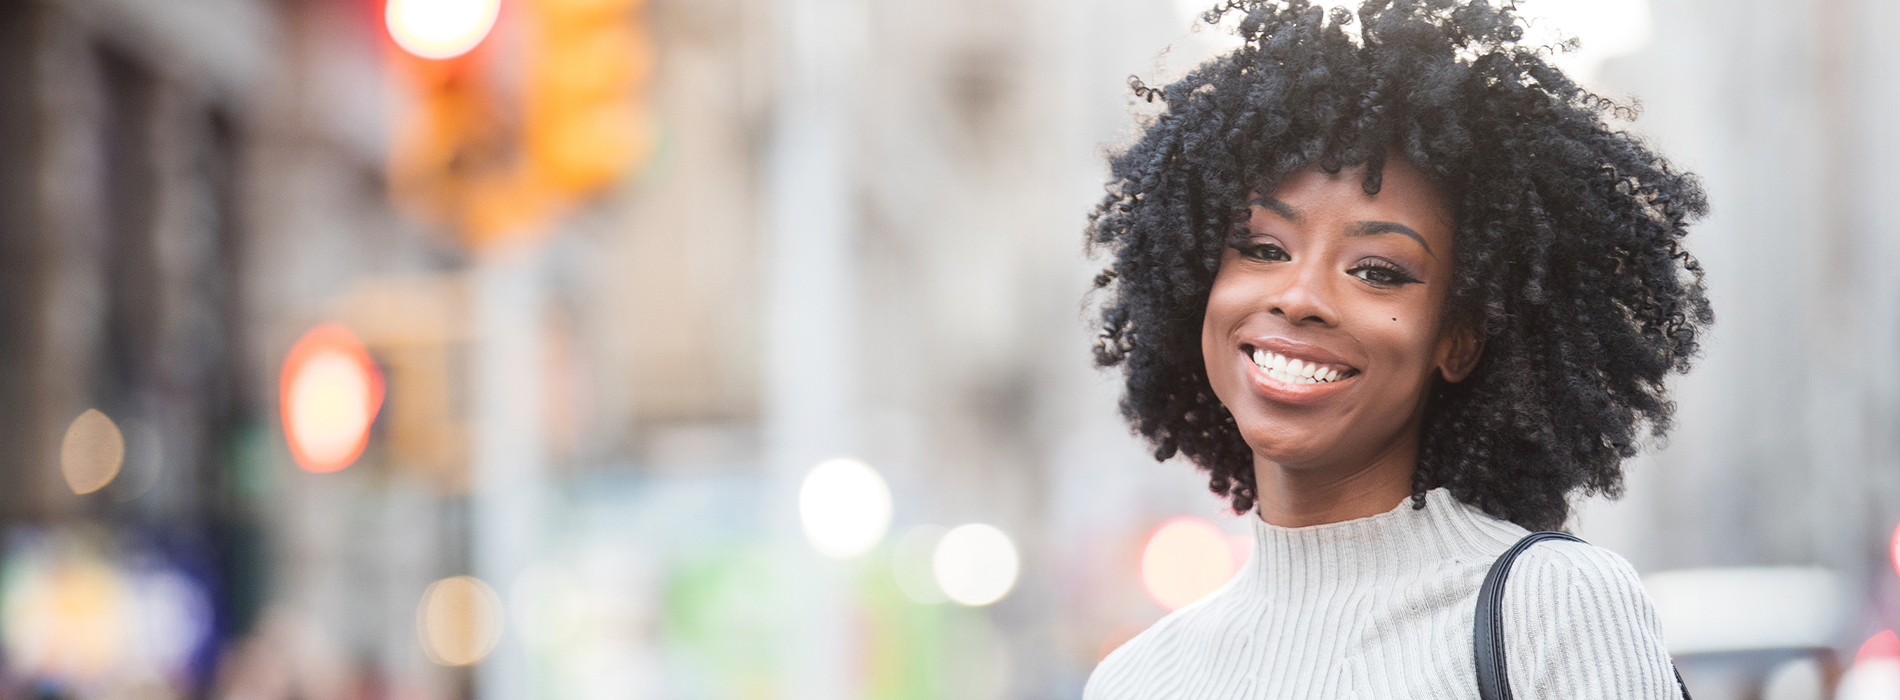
{"type": "Point", "coordinates": [1305, 296]}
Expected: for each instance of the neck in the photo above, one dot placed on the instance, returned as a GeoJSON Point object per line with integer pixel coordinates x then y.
{"type": "Point", "coordinates": [1306, 496]}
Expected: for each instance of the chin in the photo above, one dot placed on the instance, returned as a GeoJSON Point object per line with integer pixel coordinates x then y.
{"type": "Point", "coordinates": [1287, 447]}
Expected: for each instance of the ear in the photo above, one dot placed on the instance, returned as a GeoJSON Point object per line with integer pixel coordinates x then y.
{"type": "Point", "coordinates": [1459, 348]}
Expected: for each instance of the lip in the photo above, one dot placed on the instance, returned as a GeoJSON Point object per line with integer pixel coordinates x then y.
{"type": "Point", "coordinates": [1276, 390]}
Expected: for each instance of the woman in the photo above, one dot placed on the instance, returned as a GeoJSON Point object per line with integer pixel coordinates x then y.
{"type": "Point", "coordinates": [1395, 285]}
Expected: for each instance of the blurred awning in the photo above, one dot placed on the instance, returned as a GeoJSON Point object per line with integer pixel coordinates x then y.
{"type": "Point", "coordinates": [1748, 608]}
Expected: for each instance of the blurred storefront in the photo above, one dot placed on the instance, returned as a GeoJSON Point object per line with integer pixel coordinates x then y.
{"type": "Point", "coordinates": [133, 436]}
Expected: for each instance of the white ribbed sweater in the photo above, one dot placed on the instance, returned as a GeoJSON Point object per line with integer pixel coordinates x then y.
{"type": "Point", "coordinates": [1382, 607]}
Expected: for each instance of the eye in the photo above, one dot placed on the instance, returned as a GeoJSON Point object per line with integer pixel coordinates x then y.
{"type": "Point", "coordinates": [1381, 273]}
{"type": "Point", "coordinates": [1265, 252]}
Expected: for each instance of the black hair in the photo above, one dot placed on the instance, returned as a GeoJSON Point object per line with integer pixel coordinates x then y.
{"type": "Point", "coordinates": [1568, 234]}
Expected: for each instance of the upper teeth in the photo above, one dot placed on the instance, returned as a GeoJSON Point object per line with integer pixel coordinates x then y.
{"type": "Point", "coordinates": [1294, 371]}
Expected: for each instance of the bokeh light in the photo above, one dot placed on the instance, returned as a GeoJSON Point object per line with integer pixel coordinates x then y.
{"type": "Point", "coordinates": [459, 621]}
{"type": "Point", "coordinates": [1895, 548]}
{"type": "Point", "coordinates": [975, 564]}
{"type": "Point", "coordinates": [1875, 674]}
{"type": "Point", "coordinates": [845, 507]}
{"type": "Point", "coordinates": [64, 616]}
{"type": "Point", "coordinates": [1880, 646]}
{"type": "Point", "coordinates": [171, 618]}
{"type": "Point", "coordinates": [331, 391]}
{"type": "Point", "coordinates": [911, 564]}
{"type": "Point", "coordinates": [92, 452]}
{"type": "Point", "coordinates": [71, 616]}
{"type": "Point", "coordinates": [1186, 558]}
{"type": "Point", "coordinates": [439, 29]}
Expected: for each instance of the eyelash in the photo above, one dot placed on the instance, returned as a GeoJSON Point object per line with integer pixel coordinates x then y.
{"type": "Point", "coordinates": [1259, 251]}
{"type": "Point", "coordinates": [1394, 276]}
{"type": "Point", "coordinates": [1379, 273]}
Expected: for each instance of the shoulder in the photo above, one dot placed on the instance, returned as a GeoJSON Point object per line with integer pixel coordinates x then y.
{"type": "Point", "coordinates": [1565, 568]}
{"type": "Point", "coordinates": [1578, 624]}
{"type": "Point", "coordinates": [1561, 592]}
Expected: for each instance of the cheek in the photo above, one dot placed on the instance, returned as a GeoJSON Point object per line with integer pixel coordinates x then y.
{"type": "Point", "coordinates": [1213, 342]}
{"type": "Point", "coordinates": [1407, 342]}
{"type": "Point", "coordinates": [1225, 308]}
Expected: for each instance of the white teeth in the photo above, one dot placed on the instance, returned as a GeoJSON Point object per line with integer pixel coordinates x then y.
{"type": "Point", "coordinates": [1294, 371]}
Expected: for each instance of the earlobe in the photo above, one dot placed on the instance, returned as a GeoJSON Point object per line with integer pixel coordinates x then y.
{"type": "Point", "coordinates": [1459, 351]}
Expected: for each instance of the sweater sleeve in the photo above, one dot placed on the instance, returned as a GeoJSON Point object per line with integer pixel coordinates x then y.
{"type": "Point", "coordinates": [1577, 626]}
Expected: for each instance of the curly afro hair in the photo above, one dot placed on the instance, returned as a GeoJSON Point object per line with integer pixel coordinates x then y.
{"type": "Point", "coordinates": [1568, 234]}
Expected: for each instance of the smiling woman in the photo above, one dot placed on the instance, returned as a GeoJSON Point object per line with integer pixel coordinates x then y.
{"type": "Point", "coordinates": [1394, 283]}
{"type": "Point", "coordinates": [1325, 314]}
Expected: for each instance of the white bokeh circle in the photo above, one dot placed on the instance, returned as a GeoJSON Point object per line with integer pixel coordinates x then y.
{"type": "Point", "coordinates": [845, 507]}
{"type": "Point", "coordinates": [440, 29]}
{"type": "Point", "coordinates": [976, 564]}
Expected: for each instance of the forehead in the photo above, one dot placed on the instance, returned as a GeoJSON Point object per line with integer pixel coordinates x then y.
{"type": "Point", "coordinates": [1405, 196]}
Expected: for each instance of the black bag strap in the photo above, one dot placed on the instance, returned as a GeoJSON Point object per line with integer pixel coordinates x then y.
{"type": "Point", "coordinates": [1488, 640]}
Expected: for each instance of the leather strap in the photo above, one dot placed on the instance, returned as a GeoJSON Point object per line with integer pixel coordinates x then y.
{"type": "Point", "coordinates": [1488, 638]}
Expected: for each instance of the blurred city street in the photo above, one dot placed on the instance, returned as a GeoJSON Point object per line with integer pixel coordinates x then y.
{"type": "Point", "coordinates": [740, 349]}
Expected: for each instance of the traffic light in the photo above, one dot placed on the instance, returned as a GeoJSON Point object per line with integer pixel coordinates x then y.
{"type": "Point", "coordinates": [497, 160]}
{"type": "Point", "coordinates": [588, 67]}
{"type": "Point", "coordinates": [440, 29]}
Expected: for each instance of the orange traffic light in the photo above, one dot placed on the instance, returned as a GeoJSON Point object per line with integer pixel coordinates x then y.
{"type": "Point", "coordinates": [497, 161]}
{"type": "Point", "coordinates": [586, 121]}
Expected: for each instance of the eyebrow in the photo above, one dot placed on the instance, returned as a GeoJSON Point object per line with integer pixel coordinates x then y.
{"type": "Point", "coordinates": [1360, 228]}
{"type": "Point", "coordinates": [1286, 211]}
{"type": "Point", "coordinates": [1374, 228]}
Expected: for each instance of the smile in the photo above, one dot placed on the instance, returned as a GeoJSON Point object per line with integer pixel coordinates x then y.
{"type": "Point", "coordinates": [1292, 370]}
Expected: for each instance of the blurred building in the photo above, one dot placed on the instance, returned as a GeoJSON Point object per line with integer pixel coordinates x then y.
{"type": "Point", "coordinates": [1784, 452]}
{"type": "Point", "coordinates": [123, 258]}
{"type": "Point", "coordinates": [813, 229]}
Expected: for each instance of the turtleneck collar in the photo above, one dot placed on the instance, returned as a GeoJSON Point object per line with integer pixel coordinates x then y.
{"type": "Point", "coordinates": [1397, 540]}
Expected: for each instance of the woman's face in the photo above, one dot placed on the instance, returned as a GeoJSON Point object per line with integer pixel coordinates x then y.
{"type": "Point", "coordinates": [1324, 327]}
